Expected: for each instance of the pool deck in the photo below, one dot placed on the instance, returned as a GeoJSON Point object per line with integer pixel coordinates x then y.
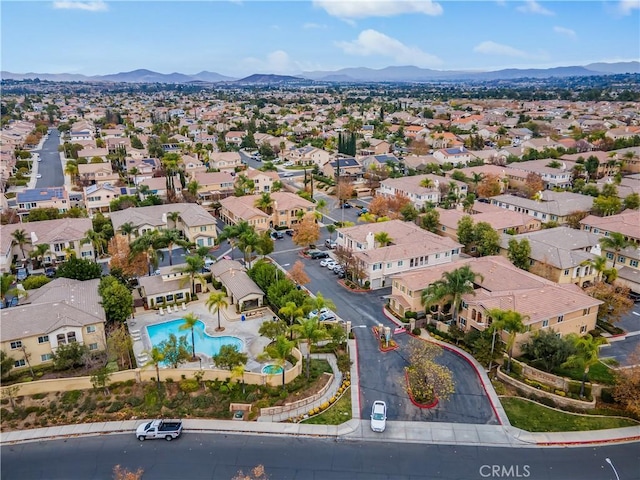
{"type": "Point", "coordinates": [231, 321]}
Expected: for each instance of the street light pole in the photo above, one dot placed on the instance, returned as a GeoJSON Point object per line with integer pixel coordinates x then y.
{"type": "Point", "coordinates": [493, 344]}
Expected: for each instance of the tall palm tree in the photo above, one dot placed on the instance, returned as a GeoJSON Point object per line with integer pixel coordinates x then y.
{"type": "Point", "coordinates": [215, 302]}
{"type": "Point", "coordinates": [292, 311]}
{"type": "Point", "coordinates": [146, 244]}
{"type": "Point", "coordinates": [511, 322]}
{"type": "Point", "coordinates": [586, 355]}
{"type": "Point", "coordinates": [476, 178]}
{"type": "Point", "coordinates": [190, 321]}
{"type": "Point", "coordinates": [451, 287]}
{"type": "Point", "coordinates": [71, 169]}
{"type": "Point", "coordinates": [311, 332]}
{"type": "Point", "coordinates": [193, 266]}
{"type": "Point", "coordinates": [127, 229]}
{"type": "Point", "coordinates": [6, 281]}
{"type": "Point", "coordinates": [264, 203]}
{"type": "Point", "coordinates": [40, 251]}
{"type": "Point", "coordinates": [278, 351]}
{"type": "Point", "coordinates": [427, 183]}
{"type": "Point", "coordinates": [156, 357]}
{"type": "Point", "coordinates": [615, 242]}
{"type": "Point", "coordinates": [96, 239]}
{"type": "Point", "coordinates": [170, 238]}
{"type": "Point", "coordinates": [320, 302]}
{"type": "Point", "coordinates": [233, 232]}
{"type": "Point", "coordinates": [383, 238]}
{"type": "Point", "coordinates": [331, 228]}
{"type": "Point", "coordinates": [20, 238]}
{"type": "Point", "coordinates": [173, 216]}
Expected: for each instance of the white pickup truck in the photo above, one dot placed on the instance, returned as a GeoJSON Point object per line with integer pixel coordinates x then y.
{"type": "Point", "coordinates": [167, 429]}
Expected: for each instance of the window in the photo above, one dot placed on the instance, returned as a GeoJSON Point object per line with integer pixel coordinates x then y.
{"type": "Point", "coordinates": [170, 298]}
{"type": "Point", "coordinates": [464, 305]}
{"type": "Point", "coordinates": [46, 357]}
{"type": "Point", "coordinates": [93, 346]}
{"type": "Point", "coordinates": [610, 255]}
{"type": "Point", "coordinates": [19, 363]}
{"type": "Point", "coordinates": [400, 263]}
{"type": "Point", "coordinates": [389, 265]}
{"type": "Point", "coordinates": [203, 228]}
{"type": "Point", "coordinates": [91, 329]}
{"type": "Point", "coordinates": [545, 323]}
{"type": "Point", "coordinates": [61, 338]}
{"type": "Point", "coordinates": [566, 271]}
{"type": "Point", "coordinates": [179, 296]}
{"type": "Point", "coordinates": [560, 318]}
{"type": "Point", "coordinates": [462, 321]}
{"type": "Point", "coordinates": [634, 263]}
{"type": "Point", "coordinates": [17, 344]}
{"type": "Point", "coordinates": [586, 311]}
{"type": "Point", "coordinates": [71, 337]}
{"type": "Point", "coordinates": [43, 339]}
{"type": "Point", "coordinates": [621, 259]}
{"type": "Point", "coordinates": [583, 329]}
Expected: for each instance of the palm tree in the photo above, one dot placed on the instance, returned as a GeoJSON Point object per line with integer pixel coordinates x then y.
{"type": "Point", "coordinates": [6, 281]}
{"type": "Point", "coordinates": [39, 252]}
{"type": "Point", "coordinates": [238, 371]}
{"type": "Point", "coordinates": [173, 216]}
{"type": "Point", "coordinates": [508, 321]}
{"type": "Point", "coordinates": [170, 238]}
{"type": "Point", "coordinates": [233, 232]}
{"type": "Point", "coordinates": [331, 228]}
{"type": "Point", "coordinates": [476, 178]}
{"type": "Point", "coordinates": [193, 266]}
{"type": "Point", "coordinates": [20, 238]}
{"type": "Point", "coordinates": [71, 169]}
{"type": "Point", "coordinates": [616, 242]}
{"type": "Point", "coordinates": [192, 187]}
{"type": "Point", "coordinates": [278, 351]}
{"type": "Point", "coordinates": [383, 238]}
{"type": "Point", "coordinates": [127, 229]}
{"type": "Point", "coordinates": [311, 332]}
{"type": "Point", "coordinates": [215, 302]}
{"type": "Point", "coordinates": [427, 183]}
{"type": "Point", "coordinates": [586, 355]}
{"type": "Point", "coordinates": [319, 302]}
{"type": "Point", "coordinates": [264, 203]}
{"type": "Point", "coordinates": [599, 264]}
{"type": "Point", "coordinates": [451, 287]}
{"type": "Point", "coordinates": [190, 321]}
{"type": "Point", "coordinates": [247, 243]}
{"type": "Point", "coordinates": [156, 357]}
{"type": "Point", "coordinates": [292, 311]}
{"type": "Point", "coordinates": [146, 244]}
{"type": "Point", "coordinates": [96, 239]}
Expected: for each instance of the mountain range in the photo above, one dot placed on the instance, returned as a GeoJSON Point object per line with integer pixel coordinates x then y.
{"type": "Point", "coordinates": [351, 75]}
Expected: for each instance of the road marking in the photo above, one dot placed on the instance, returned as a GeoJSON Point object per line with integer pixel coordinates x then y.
{"type": "Point", "coordinates": [636, 313]}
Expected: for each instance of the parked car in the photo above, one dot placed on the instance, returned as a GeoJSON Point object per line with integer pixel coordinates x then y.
{"type": "Point", "coordinates": [326, 261]}
{"type": "Point", "coordinates": [342, 274]}
{"type": "Point", "coordinates": [363, 211]}
{"type": "Point", "coordinates": [324, 315]}
{"type": "Point", "coordinates": [378, 416]}
{"type": "Point", "coordinates": [634, 296]}
{"type": "Point", "coordinates": [39, 175]}
{"type": "Point", "coordinates": [277, 234]}
{"type": "Point", "coordinates": [50, 272]}
{"type": "Point", "coordinates": [289, 232]}
{"type": "Point", "coordinates": [21, 274]}
{"type": "Point", "coordinates": [287, 174]}
{"type": "Point", "coordinates": [330, 244]}
{"type": "Point", "coordinates": [346, 205]}
{"type": "Point", "coordinates": [315, 254]}
{"type": "Point", "coordinates": [159, 429]}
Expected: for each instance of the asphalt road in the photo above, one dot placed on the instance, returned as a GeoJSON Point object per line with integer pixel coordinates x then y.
{"type": "Point", "coordinates": [382, 374]}
{"type": "Point", "coordinates": [626, 352]}
{"type": "Point", "coordinates": [220, 457]}
{"type": "Point", "coordinates": [50, 167]}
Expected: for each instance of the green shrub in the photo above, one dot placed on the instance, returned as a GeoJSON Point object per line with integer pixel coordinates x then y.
{"type": "Point", "coordinates": [134, 401]}
{"type": "Point", "coordinates": [71, 398]}
{"type": "Point", "coordinates": [115, 407]}
{"type": "Point", "coordinates": [410, 315]}
{"type": "Point", "coordinates": [416, 331]}
{"type": "Point", "coordinates": [35, 281]}
{"type": "Point", "coordinates": [516, 368]}
{"type": "Point", "coordinates": [38, 396]}
{"type": "Point", "coordinates": [189, 385]}
{"type": "Point", "coordinates": [607, 396]}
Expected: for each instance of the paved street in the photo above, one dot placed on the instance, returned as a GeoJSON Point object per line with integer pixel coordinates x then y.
{"type": "Point", "coordinates": [220, 456]}
{"type": "Point", "coordinates": [50, 167]}
{"type": "Point", "coordinates": [626, 352]}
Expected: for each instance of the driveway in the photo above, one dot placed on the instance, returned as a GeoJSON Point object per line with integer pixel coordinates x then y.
{"type": "Point", "coordinates": [382, 374]}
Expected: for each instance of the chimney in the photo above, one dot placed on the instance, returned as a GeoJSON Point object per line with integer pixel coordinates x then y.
{"type": "Point", "coordinates": [370, 241]}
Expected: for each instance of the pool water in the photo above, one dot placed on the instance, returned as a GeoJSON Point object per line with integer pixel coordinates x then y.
{"type": "Point", "coordinates": [205, 344]}
{"type": "Point", "coordinates": [272, 369]}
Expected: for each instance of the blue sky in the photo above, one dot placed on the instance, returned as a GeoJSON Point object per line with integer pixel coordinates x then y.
{"type": "Point", "coordinates": [241, 37]}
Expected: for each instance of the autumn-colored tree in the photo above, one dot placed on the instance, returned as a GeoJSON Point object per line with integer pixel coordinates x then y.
{"type": "Point", "coordinates": [344, 190]}
{"type": "Point", "coordinates": [396, 204]}
{"type": "Point", "coordinates": [574, 218]}
{"type": "Point", "coordinates": [132, 265]}
{"type": "Point", "coordinates": [119, 346]}
{"type": "Point", "coordinates": [427, 381]}
{"type": "Point", "coordinates": [616, 301]}
{"type": "Point", "coordinates": [120, 473]}
{"type": "Point", "coordinates": [533, 184]}
{"type": "Point", "coordinates": [490, 186]}
{"type": "Point", "coordinates": [627, 389]}
{"type": "Point", "coordinates": [307, 232]}
{"type": "Point", "coordinates": [297, 273]}
{"type": "Point", "coordinates": [379, 206]}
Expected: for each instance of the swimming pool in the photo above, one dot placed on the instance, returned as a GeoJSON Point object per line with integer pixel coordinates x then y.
{"type": "Point", "coordinates": [205, 343]}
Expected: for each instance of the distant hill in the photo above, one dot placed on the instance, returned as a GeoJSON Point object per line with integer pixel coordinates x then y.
{"type": "Point", "coordinates": [259, 78]}
{"type": "Point", "coordinates": [406, 73]}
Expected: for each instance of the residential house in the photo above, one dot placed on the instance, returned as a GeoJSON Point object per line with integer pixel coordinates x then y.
{"type": "Point", "coordinates": [169, 287]}
{"type": "Point", "coordinates": [308, 155]}
{"type": "Point", "coordinates": [262, 181]}
{"type": "Point", "coordinates": [118, 144]}
{"type": "Point", "coordinates": [608, 166]}
{"type": "Point", "coordinates": [540, 144]}
{"type": "Point", "coordinates": [98, 197]}
{"type": "Point", "coordinates": [61, 312]}
{"type": "Point", "coordinates": [421, 190]}
{"type": "Point", "coordinates": [544, 304]}
{"type": "Point", "coordinates": [225, 161]}
{"type": "Point", "coordinates": [284, 213]}
{"type": "Point", "coordinates": [194, 222]}
{"type": "Point", "coordinates": [456, 156]}
{"type": "Point", "coordinates": [628, 260]}
{"type": "Point", "coordinates": [213, 186]}
{"type": "Point", "coordinates": [376, 147]}
{"type": "Point", "coordinates": [90, 153]}
{"type": "Point", "coordinates": [623, 133]}
{"type": "Point", "coordinates": [48, 197]}
{"type": "Point", "coordinates": [560, 176]}
{"type": "Point", "coordinates": [62, 236]}
{"type": "Point", "coordinates": [551, 207]}
{"type": "Point", "coordinates": [561, 254]}
{"type": "Point", "coordinates": [386, 161]}
{"type": "Point", "coordinates": [234, 137]}
{"type": "Point", "coordinates": [192, 166]}
{"type": "Point", "coordinates": [241, 290]}
{"type": "Point", "coordinates": [97, 173]}
{"type": "Point", "coordinates": [343, 167]}
{"type": "Point", "coordinates": [158, 186]}
{"type": "Point", "coordinates": [410, 248]}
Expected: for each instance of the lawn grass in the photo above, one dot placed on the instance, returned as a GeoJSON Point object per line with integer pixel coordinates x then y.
{"type": "Point", "coordinates": [338, 413]}
{"type": "Point", "coordinates": [533, 417]}
{"type": "Point", "coordinates": [598, 373]}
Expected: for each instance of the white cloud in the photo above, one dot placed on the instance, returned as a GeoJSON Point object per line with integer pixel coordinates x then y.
{"type": "Point", "coordinates": [565, 31]}
{"type": "Point", "coordinates": [372, 42]}
{"type": "Point", "coordinates": [277, 62]}
{"type": "Point", "coordinates": [626, 6]}
{"type": "Point", "coordinates": [96, 6]}
{"type": "Point", "coordinates": [531, 6]}
{"type": "Point", "coordinates": [493, 48]}
{"type": "Point", "coordinates": [377, 8]}
{"type": "Point", "coordinates": [311, 26]}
